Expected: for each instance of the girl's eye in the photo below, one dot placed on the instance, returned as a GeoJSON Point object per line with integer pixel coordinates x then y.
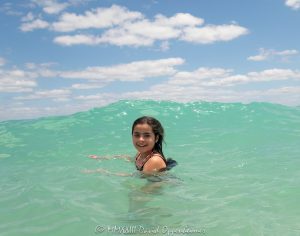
{"type": "Point", "coordinates": [144, 135]}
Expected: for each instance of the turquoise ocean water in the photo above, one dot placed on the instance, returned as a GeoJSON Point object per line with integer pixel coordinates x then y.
{"type": "Point", "coordinates": [238, 172]}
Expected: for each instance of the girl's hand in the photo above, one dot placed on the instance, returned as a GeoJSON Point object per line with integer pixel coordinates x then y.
{"type": "Point", "coordinates": [93, 156]}
{"type": "Point", "coordinates": [99, 157]}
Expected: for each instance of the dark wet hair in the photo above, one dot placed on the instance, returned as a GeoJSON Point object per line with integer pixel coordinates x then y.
{"type": "Point", "coordinates": [157, 129]}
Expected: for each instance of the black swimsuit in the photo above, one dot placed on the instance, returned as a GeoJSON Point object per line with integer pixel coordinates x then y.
{"type": "Point", "coordinates": [170, 163]}
{"type": "Point", "coordinates": [147, 159]}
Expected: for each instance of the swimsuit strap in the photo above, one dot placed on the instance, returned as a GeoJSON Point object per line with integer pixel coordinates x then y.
{"type": "Point", "coordinates": [140, 165]}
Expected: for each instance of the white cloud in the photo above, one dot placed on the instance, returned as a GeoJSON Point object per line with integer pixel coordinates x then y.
{"type": "Point", "coordinates": [199, 76]}
{"type": "Point", "coordinates": [116, 15]}
{"type": "Point", "coordinates": [121, 37]}
{"type": "Point", "coordinates": [55, 8]}
{"type": "Point", "coordinates": [262, 56]}
{"type": "Point", "coordinates": [55, 95]}
{"type": "Point", "coordinates": [42, 70]}
{"type": "Point", "coordinates": [287, 53]}
{"type": "Point", "coordinates": [37, 66]}
{"type": "Point", "coordinates": [117, 37]}
{"type": "Point", "coordinates": [8, 9]}
{"type": "Point", "coordinates": [179, 20]}
{"type": "Point", "coordinates": [262, 76]}
{"type": "Point", "coordinates": [96, 97]}
{"type": "Point", "coordinates": [294, 4]}
{"type": "Point", "coordinates": [18, 111]}
{"type": "Point", "coordinates": [140, 32]}
{"type": "Point", "coordinates": [150, 30]}
{"type": "Point", "coordinates": [266, 54]}
{"type": "Point", "coordinates": [187, 93]}
{"type": "Point", "coordinates": [274, 74]}
{"type": "Point", "coordinates": [28, 17]}
{"type": "Point", "coordinates": [88, 86]}
{"type": "Point", "coordinates": [17, 81]}
{"type": "Point", "coordinates": [282, 95]}
{"type": "Point", "coordinates": [212, 84]}
{"type": "Point", "coordinates": [122, 27]}
{"type": "Point", "coordinates": [165, 46]}
{"type": "Point", "coordinates": [2, 61]}
{"type": "Point", "coordinates": [213, 33]}
{"type": "Point", "coordinates": [204, 83]}
{"type": "Point", "coordinates": [51, 6]}
{"type": "Point", "coordinates": [206, 89]}
{"type": "Point", "coordinates": [131, 27]}
{"type": "Point", "coordinates": [69, 40]}
{"type": "Point", "coordinates": [162, 28]}
{"type": "Point", "coordinates": [33, 25]}
{"type": "Point", "coordinates": [221, 78]}
{"type": "Point", "coordinates": [134, 71]}
{"type": "Point", "coordinates": [287, 90]}
{"type": "Point", "coordinates": [30, 23]}
{"type": "Point", "coordinates": [21, 111]}
{"type": "Point", "coordinates": [98, 18]}
{"type": "Point", "coordinates": [10, 85]}
{"type": "Point", "coordinates": [145, 33]}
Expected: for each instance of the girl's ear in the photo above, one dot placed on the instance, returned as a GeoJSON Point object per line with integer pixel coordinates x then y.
{"type": "Point", "coordinates": [157, 138]}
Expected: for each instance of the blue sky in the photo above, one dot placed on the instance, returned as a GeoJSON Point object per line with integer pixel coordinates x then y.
{"type": "Point", "coordinates": [60, 57]}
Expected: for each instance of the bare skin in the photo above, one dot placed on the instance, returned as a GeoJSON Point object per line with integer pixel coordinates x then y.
{"type": "Point", "coordinates": [154, 164]}
{"type": "Point", "coordinates": [143, 140]}
{"type": "Point", "coordinates": [126, 157]}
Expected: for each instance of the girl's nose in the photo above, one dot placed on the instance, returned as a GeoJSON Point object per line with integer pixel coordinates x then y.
{"type": "Point", "coordinates": [141, 138]}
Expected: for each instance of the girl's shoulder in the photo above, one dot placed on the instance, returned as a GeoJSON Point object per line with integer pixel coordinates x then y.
{"type": "Point", "coordinates": [157, 156]}
{"type": "Point", "coordinates": [156, 162]}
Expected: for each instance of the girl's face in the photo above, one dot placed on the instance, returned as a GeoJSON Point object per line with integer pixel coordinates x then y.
{"type": "Point", "coordinates": [143, 138]}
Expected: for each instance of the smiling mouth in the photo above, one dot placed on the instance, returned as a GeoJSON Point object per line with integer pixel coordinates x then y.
{"type": "Point", "coordinates": [141, 145]}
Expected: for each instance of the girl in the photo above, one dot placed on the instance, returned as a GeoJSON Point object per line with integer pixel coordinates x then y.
{"type": "Point", "coordinates": [147, 137]}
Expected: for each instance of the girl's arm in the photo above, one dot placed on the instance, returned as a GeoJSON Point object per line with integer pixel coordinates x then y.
{"type": "Point", "coordinates": [154, 165]}
{"type": "Point", "coordinates": [125, 157]}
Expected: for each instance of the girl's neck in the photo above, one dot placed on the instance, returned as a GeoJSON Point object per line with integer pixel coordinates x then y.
{"type": "Point", "coordinates": [146, 154]}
